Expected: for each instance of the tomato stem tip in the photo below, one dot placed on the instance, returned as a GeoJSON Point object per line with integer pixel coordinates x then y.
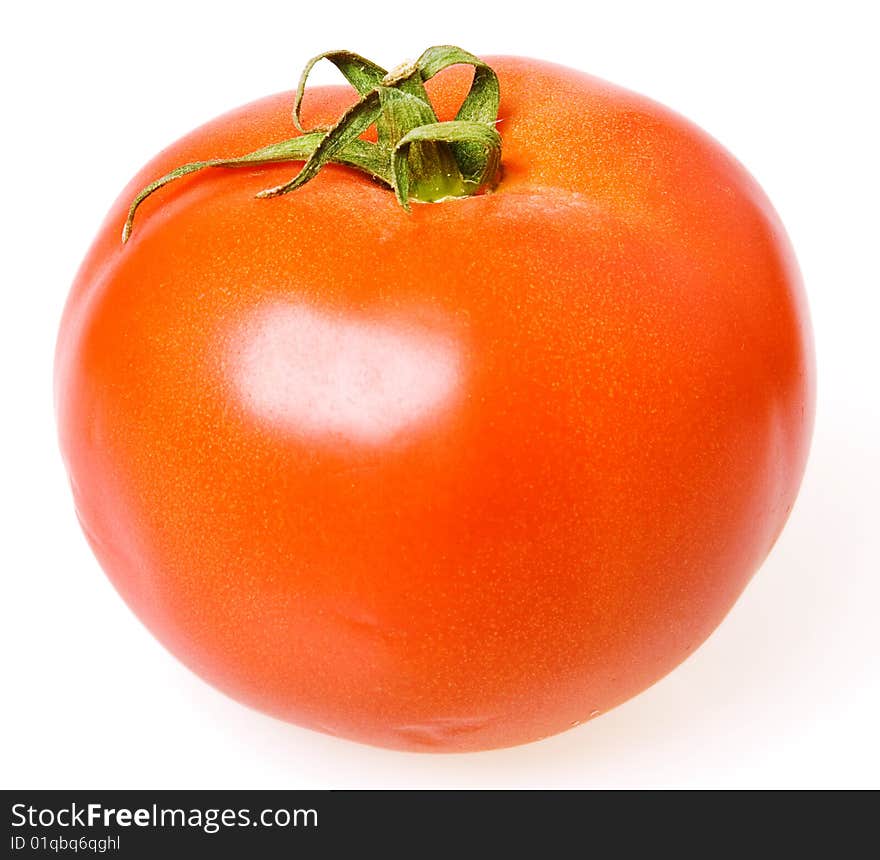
{"type": "Point", "coordinates": [416, 156]}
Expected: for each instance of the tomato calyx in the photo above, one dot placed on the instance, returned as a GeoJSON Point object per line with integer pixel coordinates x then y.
{"type": "Point", "coordinates": [415, 155]}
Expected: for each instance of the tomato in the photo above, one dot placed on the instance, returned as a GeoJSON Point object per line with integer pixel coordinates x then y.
{"type": "Point", "coordinates": [447, 479]}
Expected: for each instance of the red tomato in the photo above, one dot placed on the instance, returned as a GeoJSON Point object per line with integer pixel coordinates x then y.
{"type": "Point", "coordinates": [450, 479]}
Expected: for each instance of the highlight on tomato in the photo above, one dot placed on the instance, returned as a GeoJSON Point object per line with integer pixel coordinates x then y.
{"type": "Point", "coordinates": [472, 430]}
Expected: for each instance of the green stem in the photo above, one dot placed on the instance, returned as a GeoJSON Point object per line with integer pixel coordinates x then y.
{"type": "Point", "coordinates": [434, 172]}
{"type": "Point", "coordinates": [438, 134]}
{"type": "Point", "coordinates": [416, 155]}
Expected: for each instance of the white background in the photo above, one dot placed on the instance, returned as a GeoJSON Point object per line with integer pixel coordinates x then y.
{"type": "Point", "coordinates": [785, 693]}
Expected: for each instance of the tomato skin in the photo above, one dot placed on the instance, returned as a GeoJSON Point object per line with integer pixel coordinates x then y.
{"type": "Point", "coordinates": [448, 480]}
